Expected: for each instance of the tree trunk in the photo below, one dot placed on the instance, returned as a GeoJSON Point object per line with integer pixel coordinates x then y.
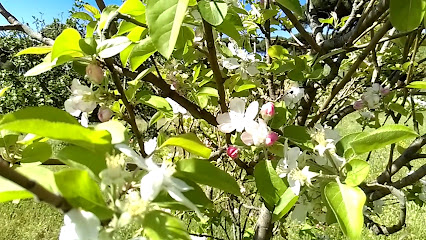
{"type": "Point", "coordinates": [263, 229]}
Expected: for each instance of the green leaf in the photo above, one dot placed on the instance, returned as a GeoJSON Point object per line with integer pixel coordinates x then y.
{"type": "Point", "coordinates": [141, 52]}
{"type": "Point", "coordinates": [286, 202]}
{"type": "Point", "coordinates": [82, 16]}
{"type": "Point", "coordinates": [36, 152]}
{"type": "Point", "coordinates": [67, 43]}
{"type": "Point", "coordinates": [81, 191]}
{"type": "Point", "coordinates": [164, 19]}
{"type": "Point", "coordinates": [297, 134]}
{"type": "Point", "coordinates": [10, 191]}
{"type": "Point", "coordinates": [132, 7]}
{"type": "Point", "coordinates": [35, 50]}
{"type": "Point", "coordinates": [113, 46]}
{"type": "Point", "coordinates": [357, 171]}
{"type": "Point", "coordinates": [189, 142]}
{"type": "Point", "coordinates": [91, 9]}
{"type": "Point", "coordinates": [117, 130]}
{"type": "Point", "coordinates": [381, 137]}
{"type": "Point", "coordinates": [270, 186]}
{"type": "Point", "coordinates": [277, 51]}
{"type": "Point", "coordinates": [3, 90]}
{"type": "Point", "coordinates": [54, 123]}
{"type": "Point", "coordinates": [347, 203]}
{"type": "Point", "coordinates": [398, 108]}
{"type": "Point", "coordinates": [75, 154]}
{"type": "Point", "coordinates": [292, 5]}
{"type": "Point", "coordinates": [209, 91]}
{"type": "Point", "coordinates": [156, 102]}
{"type": "Point", "coordinates": [406, 15]}
{"type": "Point", "coordinates": [108, 14]}
{"type": "Point", "coordinates": [417, 84]}
{"type": "Point", "coordinates": [344, 147]}
{"type": "Point", "coordinates": [214, 12]}
{"type": "Point", "coordinates": [280, 117]}
{"type": "Point", "coordinates": [88, 45]}
{"type": "Point", "coordinates": [202, 171]}
{"type": "Point", "coordinates": [159, 225]}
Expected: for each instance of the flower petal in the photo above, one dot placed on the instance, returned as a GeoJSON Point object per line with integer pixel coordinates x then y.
{"type": "Point", "coordinates": [251, 111]}
{"type": "Point", "coordinates": [237, 105]}
{"type": "Point", "coordinates": [138, 160]}
{"type": "Point", "coordinates": [178, 196]}
{"type": "Point", "coordinates": [294, 185]}
{"type": "Point", "coordinates": [247, 138]}
{"type": "Point", "coordinates": [223, 118]}
{"type": "Point", "coordinates": [151, 185]}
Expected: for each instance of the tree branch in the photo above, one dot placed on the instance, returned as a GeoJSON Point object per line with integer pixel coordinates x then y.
{"type": "Point", "coordinates": [193, 108]}
{"type": "Point", "coordinates": [24, 28]}
{"type": "Point", "coordinates": [39, 191]}
{"type": "Point", "coordinates": [208, 34]}
{"type": "Point", "coordinates": [381, 229]}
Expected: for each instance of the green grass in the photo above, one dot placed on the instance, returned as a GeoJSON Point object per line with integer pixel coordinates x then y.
{"type": "Point", "coordinates": [37, 221]}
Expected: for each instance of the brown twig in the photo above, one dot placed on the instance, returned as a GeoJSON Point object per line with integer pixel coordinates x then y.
{"type": "Point", "coordinates": [39, 191]}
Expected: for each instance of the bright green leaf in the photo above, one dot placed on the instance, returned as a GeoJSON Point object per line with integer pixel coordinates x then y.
{"type": "Point", "coordinates": [347, 204]}
{"type": "Point", "coordinates": [141, 52]}
{"type": "Point", "coordinates": [357, 171]}
{"type": "Point", "coordinates": [417, 84]}
{"type": "Point", "coordinates": [406, 15]}
{"type": "Point", "coordinates": [80, 190]}
{"type": "Point", "coordinates": [132, 7]}
{"type": "Point", "coordinates": [35, 50]}
{"type": "Point", "coordinates": [280, 116]}
{"type": "Point", "coordinates": [277, 51]}
{"type": "Point", "coordinates": [67, 43]}
{"type": "Point", "coordinates": [54, 123]}
{"type": "Point", "coordinates": [189, 142]}
{"type": "Point", "coordinates": [36, 152]}
{"type": "Point", "coordinates": [75, 154]}
{"type": "Point", "coordinates": [214, 12]}
{"type": "Point", "coordinates": [203, 172]}
{"type": "Point", "coordinates": [3, 90]}
{"type": "Point", "coordinates": [286, 202]}
{"type": "Point", "coordinates": [381, 137]}
{"type": "Point", "coordinates": [164, 19]}
{"type": "Point", "coordinates": [159, 225]}
{"type": "Point", "coordinates": [270, 186]}
{"type": "Point", "coordinates": [82, 16]}
{"type": "Point", "coordinates": [156, 102]}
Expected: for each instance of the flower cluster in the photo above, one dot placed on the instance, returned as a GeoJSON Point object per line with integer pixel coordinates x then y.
{"type": "Point", "coordinates": [245, 64]}
{"type": "Point", "coordinates": [82, 100]}
{"type": "Point", "coordinates": [371, 97]}
{"type": "Point", "coordinates": [239, 119]}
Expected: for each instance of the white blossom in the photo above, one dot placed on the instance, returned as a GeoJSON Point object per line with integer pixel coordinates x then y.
{"type": "Point", "coordinates": [255, 134]}
{"type": "Point", "coordinates": [159, 178]}
{"type": "Point", "coordinates": [245, 65]}
{"type": "Point", "coordinates": [80, 225]}
{"type": "Point", "coordinates": [237, 118]}
{"type": "Point", "coordinates": [176, 107]}
{"type": "Point", "coordinates": [81, 99]}
{"type": "Point", "coordinates": [293, 96]}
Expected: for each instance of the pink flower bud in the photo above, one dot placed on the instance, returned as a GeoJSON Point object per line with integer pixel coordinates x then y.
{"type": "Point", "coordinates": [232, 152]}
{"type": "Point", "coordinates": [384, 91]}
{"type": "Point", "coordinates": [104, 114]}
{"type": "Point", "coordinates": [95, 73]}
{"type": "Point", "coordinates": [358, 105]}
{"type": "Point", "coordinates": [267, 110]}
{"type": "Point", "coordinates": [271, 138]}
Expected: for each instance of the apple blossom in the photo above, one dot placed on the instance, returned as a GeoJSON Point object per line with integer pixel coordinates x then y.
{"type": "Point", "coordinates": [271, 138]}
{"type": "Point", "coordinates": [104, 114]}
{"type": "Point", "coordinates": [358, 105]}
{"type": "Point", "coordinates": [267, 111]}
{"type": "Point", "coordinates": [80, 225]}
{"type": "Point", "coordinates": [255, 134]}
{"type": "Point", "coordinates": [247, 64]}
{"type": "Point", "coordinates": [293, 96]}
{"type": "Point", "coordinates": [232, 152]}
{"type": "Point", "coordinates": [237, 118]}
{"type": "Point", "coordinates": [159, 178]}
{"type": "Point", "coordinates": [81, 99]}
{"type": "Point", "coordinates": [95, 73]}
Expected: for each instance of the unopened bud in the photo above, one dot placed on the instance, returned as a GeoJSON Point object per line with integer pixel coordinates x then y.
{"type": "Point", "coordinates": [104, 114]}
{"type": "Point", "coordinates": [232, 152]}
{"type": "Point", "coordinates": [384, 91]}
{"type": "Point", "coordinates": [95, 73]}
{"type": "Point", "coordinates": [358, 105]}
{"type": "Point", "coordinates": [271, 138]}
{"type": "Point", "coordinates": [267, 110]}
